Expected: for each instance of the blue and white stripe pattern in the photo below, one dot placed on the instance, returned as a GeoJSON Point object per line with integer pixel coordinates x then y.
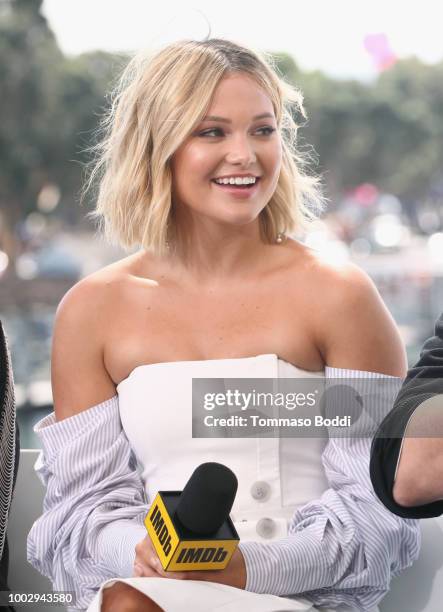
{"type": "Point", "coordinates": [94, 505]}
{"type": "Point", "coordinates": [342, 549]}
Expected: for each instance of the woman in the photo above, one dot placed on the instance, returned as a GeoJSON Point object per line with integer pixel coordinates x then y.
{"type": "Point", "coordinates": [217, 288]}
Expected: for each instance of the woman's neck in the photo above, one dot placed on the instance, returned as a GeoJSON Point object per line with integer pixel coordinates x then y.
{"type": "Point", "coordinates": [217, 258]}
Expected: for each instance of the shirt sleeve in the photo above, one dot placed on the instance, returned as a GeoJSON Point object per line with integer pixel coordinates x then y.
{"type": "Point", "coordinates": [94, 504]}
{"type": "Point", "coordinates": [423, 382]}
{"type": "Point", "coordinates": [343, 548]}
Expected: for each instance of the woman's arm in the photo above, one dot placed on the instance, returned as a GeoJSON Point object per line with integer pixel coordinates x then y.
{"type": "Point", "coordinates": [95, 503]}
{"type": "Point", "coordinates": [78, 375]}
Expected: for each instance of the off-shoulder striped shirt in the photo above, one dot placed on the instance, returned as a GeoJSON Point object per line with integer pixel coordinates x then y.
{"type": "Point", "coordinates": [341, 550]}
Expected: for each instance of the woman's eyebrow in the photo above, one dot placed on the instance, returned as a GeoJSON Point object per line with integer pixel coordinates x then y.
{"type": "Point", "coordinates": [224, 120]}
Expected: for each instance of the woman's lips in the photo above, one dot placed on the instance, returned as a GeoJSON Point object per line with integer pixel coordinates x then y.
{"type": "Point", "coordinates": [241, 194]}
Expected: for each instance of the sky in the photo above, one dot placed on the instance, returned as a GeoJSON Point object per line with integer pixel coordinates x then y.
{"type": "Point", "coordinates": [344, 38]}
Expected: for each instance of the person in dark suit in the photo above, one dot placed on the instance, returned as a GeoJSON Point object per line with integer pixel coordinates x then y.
{"type": "Point", "coordinates": [406, 464]}
{"type": "Point", "coordinates": [9, 454]}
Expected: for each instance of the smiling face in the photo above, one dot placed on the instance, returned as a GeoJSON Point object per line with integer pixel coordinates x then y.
{"type": "Point", "coordinates": [241, 138]}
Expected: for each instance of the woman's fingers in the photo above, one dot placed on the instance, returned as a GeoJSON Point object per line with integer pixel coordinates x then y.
{"type": "Point", "coordinates": [166, 574]}
{"type": "Point", "coordinates": [156, 570]}
{"type": "Point", "coordinates": [138, 570]}
{"type": "Point", "coordinates": [147, 563]}
{"type": "Point", "coordinates": [145, 557]}
{"type": "Point", "coordinates": [144, 570]}
{"type": "Point", "coordinates": [144, 550]}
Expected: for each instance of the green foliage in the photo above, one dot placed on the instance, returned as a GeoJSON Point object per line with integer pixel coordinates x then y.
{"type": "Point", "coordinates": [388, 133]}
{"type": "Point", "coordinates": [50, 106]}
{"type": "Point", "coordinates": [29, 63]}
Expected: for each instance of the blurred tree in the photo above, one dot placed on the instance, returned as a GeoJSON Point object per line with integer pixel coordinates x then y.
{"type": "Point", "coordinates": [28, 58]}
{"type": "Point", "coordinates": [286, 66]}
{"type": "Point", "coordinates": [81, 93]}
{"type": "Point", "coordinates": [49, 108]}
{"type": "Point", "coordinates": [389, 133]}
{"type": "Point", "coordinates": [411, 150]}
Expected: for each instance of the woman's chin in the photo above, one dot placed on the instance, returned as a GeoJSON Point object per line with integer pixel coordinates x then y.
{"type": "Point", "coordinates": [238, 219]}
{"type": "Point", "coordinates": [236, 212]}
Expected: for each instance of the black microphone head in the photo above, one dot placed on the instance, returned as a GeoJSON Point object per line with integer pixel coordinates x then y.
{"type": "Point", "coordinates": [206, 500]}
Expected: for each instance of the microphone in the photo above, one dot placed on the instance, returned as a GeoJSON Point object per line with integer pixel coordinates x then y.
{"type": "Point", "coordinates": [191, 529]}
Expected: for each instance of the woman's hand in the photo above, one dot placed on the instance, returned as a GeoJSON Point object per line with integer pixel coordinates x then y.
{"type": "Point", "coordinates": [147, 563]}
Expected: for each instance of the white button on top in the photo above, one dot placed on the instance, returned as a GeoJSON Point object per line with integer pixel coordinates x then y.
{"type": "Point", "coordinates": [261, 490]}
{"type": "Point", "coordinates": [266, 528]}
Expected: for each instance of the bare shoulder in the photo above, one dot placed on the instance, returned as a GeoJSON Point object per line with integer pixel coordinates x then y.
{"type": "Point", "coordinates": [356, 330]}
{"type": "Point", "coordinates": [96, 286]}
{"type": "Point", "coordinates": [78, 375]}
{"type": "Point", "coordinates": [93, 296]}
{"type": "Point", "coordinates": [87, 305]}
{"type": "Point", "coordinates": [343, 280]}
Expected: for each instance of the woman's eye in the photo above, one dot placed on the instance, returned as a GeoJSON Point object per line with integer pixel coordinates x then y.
{"type": "Point", "coordinates": [265, 130]}
{"type": "Point", "coordinates": [269, 130]}
{"type": "Point", "coordinates": [207, 132]}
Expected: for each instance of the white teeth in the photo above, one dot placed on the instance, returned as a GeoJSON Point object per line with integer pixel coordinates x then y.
{"type": "Point", "coordinates": [247, 180]}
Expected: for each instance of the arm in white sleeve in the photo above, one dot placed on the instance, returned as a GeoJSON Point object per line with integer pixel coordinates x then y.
{"type": "Point", "coordinates": [94, 505]}
{"type": "Point", "coordinates": [344, 547]}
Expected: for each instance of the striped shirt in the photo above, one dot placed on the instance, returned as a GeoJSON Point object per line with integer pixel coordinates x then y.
{"type": "Point", "coordinates": [341, 549]}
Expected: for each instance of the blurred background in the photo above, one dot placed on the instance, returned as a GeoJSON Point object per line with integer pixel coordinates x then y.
{"type": "Point", "coordinates": [372, 77]}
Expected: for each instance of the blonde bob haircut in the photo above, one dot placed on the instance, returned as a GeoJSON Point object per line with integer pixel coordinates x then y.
{"type": "Point", "coordinates": [158, 102]}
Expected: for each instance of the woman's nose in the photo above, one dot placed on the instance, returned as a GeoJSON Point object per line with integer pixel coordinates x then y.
{"type": "Point", "coordinates": [240, 150]}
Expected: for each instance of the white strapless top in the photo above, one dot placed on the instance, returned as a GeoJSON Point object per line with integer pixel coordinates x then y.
{"type": "Point", "coordinates": [275, 475]}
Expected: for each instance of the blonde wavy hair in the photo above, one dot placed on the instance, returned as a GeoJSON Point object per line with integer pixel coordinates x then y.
{"type": "Point", "coordinates": [159, 100]}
